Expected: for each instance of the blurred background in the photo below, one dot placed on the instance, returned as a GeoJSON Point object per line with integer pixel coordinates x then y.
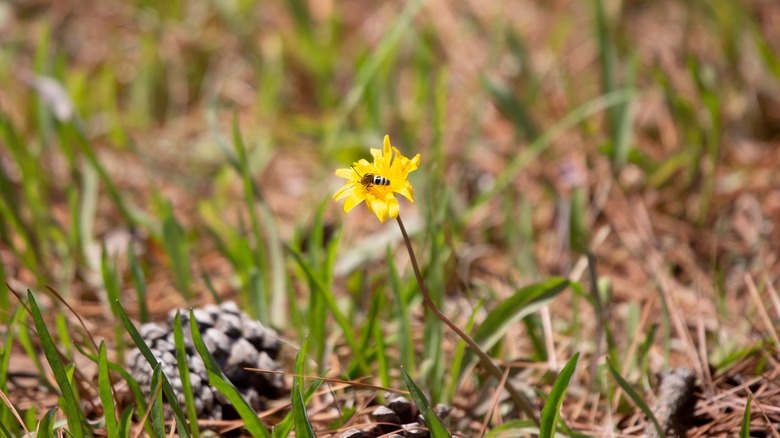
{"type": "Point", "coordinates": [644, 134]}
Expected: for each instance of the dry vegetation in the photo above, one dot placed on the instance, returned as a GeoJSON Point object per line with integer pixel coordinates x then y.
{"type": "Point", "coordinates": [672, 186]}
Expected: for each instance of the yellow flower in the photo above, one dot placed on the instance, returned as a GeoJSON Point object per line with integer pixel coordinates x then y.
{"type": "Point", "coordinates": [376, 182]}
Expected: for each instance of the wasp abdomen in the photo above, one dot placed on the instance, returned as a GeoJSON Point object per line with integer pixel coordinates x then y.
{"type": "Point", "coordinates": [380, 181]}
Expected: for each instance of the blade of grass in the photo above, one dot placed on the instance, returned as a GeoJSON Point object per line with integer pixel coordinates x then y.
{"type": "Point", "coordinates": [519, 427]}
{"type": "Point", "coordinates": [6, 431]}
{"type": "Point", "coordinates": [460, 351]}
{"type": "Point", "coordinates": [285, 426]}
{"type": "Point", "coordinates": [371, 321]}
{"type": "Point", "coordinates": [111, 283]}
{"type": "Point", "coordinates": [300, 363]}
{"type": "Point", "coordinates": [210, 286]}
{"type": "Point", "coordinates": [73, 413]}
{"type": "Point", "coordinates": [133, 216]}
{"type": "Point", "coordinates": [381, 352]}
{"type": "Point", "coordinates": [260, 300]}
{"type": "Point", "coordinates": [178, 413]}
{"type": "Point", "coordinates": [217, 378]}
{"type": "Point", "coordinates": [175, 243]}
{"type": "Point", "coordinates": [522, 303]}
{"type": "Point", "coordinates": [433, 345]}
{"type": "Point", "coordinates": [31, 417]}
{"type": "Point", "coordinates": [435, 425]}
{"type": "Point", "coordinates": [125, 421]}
{"type": "Point", "coordinates": [25, 339]}
{"type": "Point", "coordinates": [625, 386]}
{"type": "Point", "coordinates": [317, 311]}
{"type": "Point", "coordinates": [12, 409]}
{"type": "Point", "coordinates": [346, 327]}
{"type": "Point", "coordinates": [552, 407]}
{"type": "Point", "coordinates": [516, 110]}
{"type": "Point", "coordinates": [139, 281]}
{"type": "Point", "coordinates": [135, 389]}
{"type": "Point", "coordinates": [401, 316]}
{"type": "Point", "coordinates": [302, 425]}
{"type": "Point", "coordinates": [6, 349]}
{"type": "Point", "coordinates": [46, 425]}
{"type": "Point", "coordinates": [744, 431]}
{"type": "Point", "coordinates": [105, 392]}
{"type": "Point", "coordinates": [156, 407]}
{"type": "Point", "coordinates": [184, 375]}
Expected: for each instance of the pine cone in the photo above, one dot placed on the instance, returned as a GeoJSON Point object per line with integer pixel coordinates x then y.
{"type": "Point", "coordinates": [399, 417]}
{"type": "Point", "coordinates": [234, 339]}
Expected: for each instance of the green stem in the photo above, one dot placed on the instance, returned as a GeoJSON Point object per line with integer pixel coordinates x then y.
{"type": "Point", "coordinates": [521, 401]}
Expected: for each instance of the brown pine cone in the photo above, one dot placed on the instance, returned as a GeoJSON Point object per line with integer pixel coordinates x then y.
{"type": "Point", "coordinates": [234, 339]}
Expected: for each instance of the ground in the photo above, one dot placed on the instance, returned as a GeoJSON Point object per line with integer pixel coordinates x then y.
{"type": "Point", "coordinates": [630, 147]}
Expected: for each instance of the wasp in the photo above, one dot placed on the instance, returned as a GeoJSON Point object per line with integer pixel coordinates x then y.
{"type": "Point", "coordinates": [370, 179]}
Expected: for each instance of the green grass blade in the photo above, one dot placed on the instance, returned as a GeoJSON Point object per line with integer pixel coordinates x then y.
{"type": "Point", "coordinates": [125, 421]}
{"type": "Point", "coordinates": [744, 431]}
{"type": "Point", "coordinates": [552, 408]}
{"type": "Point", "coordinates": [302, 425]}
{"type": "Point", "coordinates": [381, 353]}
{"type": "Point", "coordinates": [46, 425]}
{"type": "Point", "coordinates": [25, 339]}
{"type": "Point", "coordinates": [284, 427]}
{"type": "Point", "coordinates": [623, 132]}
{"type": "Point", "coordinates": [31, 418]}
{"type": "Point", "coordinates": [157, 415]}
{"type": "Point", "coordinates": [184, 375]}
{"type": "Point", "coordinates": [342, 321]}
{"type": "Point", "coordinates": [7, 346]}
{"type": "Point", "coordinates": [636, 398]}
{"type": "Point", "coordinates": [178, 413]}
{"type": "Point", "coordinates": [519, 427]}
{"type": "Point", "coordinates": [217, 378]}
{"type": "Point", "coordinates": [135, 389]}
{"type": "Point", "coordinates": [460, 351]}
{"type": "Point", "coordinates": [512, 108]}
{"type": "Point", "coordinates": [434, 423]}
{"type": "Point", "coordinates": [371, 320]}
{"type": "Point", "coordinates": [6, 431]}
{"type": "Point", "coordinates": [401, 316]}
{"type": "Point", "coordinates": [106, 393]}
{"type": "Point", "coordinates": [73, 414]}
{"type": "Point", "coordinates": [175, 243]}
{"type": "Point", "coordinates": [133, 216]}
{"type": "Point", "coordinates": [139, 281]}
{"type": "Point", "coordinates": [300, 363]}
{"type": "Point", "coordinates": [251, 192]}
{"type": "Point", "coordinates": [524, 302]}
{"type": "Point", "coordinates": [112, 285]}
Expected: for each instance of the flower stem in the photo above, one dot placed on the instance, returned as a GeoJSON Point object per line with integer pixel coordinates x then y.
{"type": "Point", "coordinates": [520, 400]}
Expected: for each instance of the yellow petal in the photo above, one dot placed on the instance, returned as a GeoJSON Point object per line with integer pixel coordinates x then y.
{"type": "Point", "coordinates": [414, 163]}
{"type": "Point", "coordinates": [347, 190]}
{"type": "Point", "coordinates": [388, 148]}
{"type": "Point", "coordinates": [347, 173]}
{"type": "Point", "coordinates": [379, 206]}
{"type": "Point", "coordinates": [406, 191]}
{"type": "Point", "coordinates": [392, 206]}
{"type": "Point", "coordinates": [351, 202]}
{"type": "Point", "coordinates": [377, 154]}
{"type": "Point", "coordinates": [362, 164]}
{"type": "Point", "coordinates": [387, 151]}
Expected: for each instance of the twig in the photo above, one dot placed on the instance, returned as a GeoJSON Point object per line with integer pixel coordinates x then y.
{"type": "Point", "coordinates": [675, 392]}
